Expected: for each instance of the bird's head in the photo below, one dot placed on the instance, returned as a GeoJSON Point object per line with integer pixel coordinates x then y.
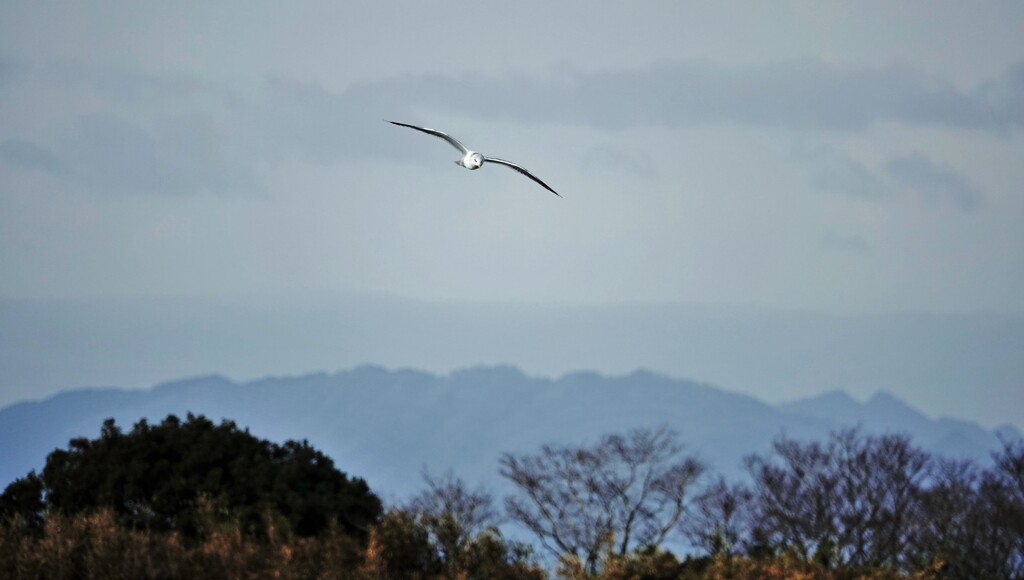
{"type": "Point", "coordinates": [474, 160]}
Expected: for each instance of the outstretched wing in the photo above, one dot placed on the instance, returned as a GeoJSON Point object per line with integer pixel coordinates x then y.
{"type": "Point", "coordinates": [522, 170]}
{"type": "Point", "coordinates": [455, 142]}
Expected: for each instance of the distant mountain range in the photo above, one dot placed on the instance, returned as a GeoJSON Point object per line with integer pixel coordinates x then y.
{"type": "Point", "coordinates": [388, 425]}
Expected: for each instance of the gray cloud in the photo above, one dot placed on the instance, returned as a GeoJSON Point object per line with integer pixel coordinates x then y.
{"type": "Point", "coordinates": [139, 133]}
{"type": "Point", "coordinates": [119, 85]}
{"type": "Point", "coordinates": [1006, 95]}
{"type": "Point", "coordinates": [183, 135]}
{"type": "Point", "coordinates": [846, 244]}
{"type": "Point", "coordinates": [181, 154]}
{"type": "Point", "coordinates": [308, 120]}
{"type": "Point", "coordinates": [805, 94]}
{"type": "Point", "coordinates": [834, 171]}
{"type": "Point", "coordinates": [936, 183]}
{"type": "Point", "coordinates": [30, 156]}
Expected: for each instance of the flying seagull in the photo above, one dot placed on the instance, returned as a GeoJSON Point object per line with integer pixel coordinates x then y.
{"type": "Point", "coordinates": [473, 160]}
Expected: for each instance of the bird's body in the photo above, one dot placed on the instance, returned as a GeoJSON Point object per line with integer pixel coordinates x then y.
{"type": "Point", "coordinates": [471, 159]}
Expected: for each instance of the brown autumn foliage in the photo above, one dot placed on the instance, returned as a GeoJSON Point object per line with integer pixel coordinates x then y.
{"type": "Point", "coordinates": [95, 546]}
{"type": "Point", "coordinates": [659, 564]}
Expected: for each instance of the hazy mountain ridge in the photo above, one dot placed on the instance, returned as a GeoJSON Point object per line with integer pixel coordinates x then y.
{"type": "Point", "coordinates": [885, 413]}
{"type": "Point", "coordinates": [47, 345]}
{"type": "Point", "coordinates": [466, 419]}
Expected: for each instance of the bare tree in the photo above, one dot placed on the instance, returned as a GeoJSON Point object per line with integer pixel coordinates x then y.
{"type": "Point", "coordinates": [849, 502]}
{"type": "Point", "coordinates": [624, 492]}
{"type": "Point", "coordinates": [1010, 465]}
{"type": "Point", "coordinates": [1004, 490]}
{"type": "Point", "coordinates": [794, 495]}
{"type": "Point", "coordinates": [721, 519]}
{"type": "Point", "coordinates": [970, 521]}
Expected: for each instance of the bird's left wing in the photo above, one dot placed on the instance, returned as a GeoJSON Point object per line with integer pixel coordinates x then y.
{"type": "Point", "coordinates": [522, 170]}
{"type": "Point", "coordinates": [454, 142]}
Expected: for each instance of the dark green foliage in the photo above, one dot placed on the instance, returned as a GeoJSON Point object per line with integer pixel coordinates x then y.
{"type": "Point", "coordinates": [156, 477]}
{"type": "Point", "coordinates": [446, 531]}
{"type": "Point", "coordinates": [402, 548]}
{"type": "Point", "coordinates": [649, 563]}
{"type": "Point", "coordinates": [22, 502]}
{"type": "Point", "coordinates": [406, 545]}
{"type": "Point", "coordinates": [461, 529]}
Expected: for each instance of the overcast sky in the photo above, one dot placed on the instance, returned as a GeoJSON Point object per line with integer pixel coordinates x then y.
{"type": "Point", "coordinates": [834, 158]}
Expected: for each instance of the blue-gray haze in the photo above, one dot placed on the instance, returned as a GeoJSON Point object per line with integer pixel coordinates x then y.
{"type": "Point", "coordinates": [781, 198]}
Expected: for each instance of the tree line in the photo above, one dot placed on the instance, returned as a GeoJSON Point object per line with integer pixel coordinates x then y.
{"type": "Point", "coordinates": [197, 499]}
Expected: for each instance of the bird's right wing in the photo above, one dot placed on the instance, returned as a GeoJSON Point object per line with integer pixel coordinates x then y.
{"type": "Point", "coordinates": [454, 142]}
{"type": "Point", "coordinates": [522, 170]}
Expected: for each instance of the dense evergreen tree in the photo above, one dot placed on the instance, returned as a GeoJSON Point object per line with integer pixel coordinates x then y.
{"type": "Point", "coordinates": [22, 503]}
{"type": "Point", "coordinates": [156, 477]}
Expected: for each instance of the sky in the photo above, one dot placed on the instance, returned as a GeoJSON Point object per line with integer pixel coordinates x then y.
{"type": "Point", "coordinates": [845, 161]}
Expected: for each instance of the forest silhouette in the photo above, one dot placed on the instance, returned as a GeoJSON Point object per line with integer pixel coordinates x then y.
{"type": "Point", "coordinates": [194, 499]}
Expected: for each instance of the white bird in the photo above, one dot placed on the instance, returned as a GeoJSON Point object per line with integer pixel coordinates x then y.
{"type": "Point", "coordinates": [473, 160]}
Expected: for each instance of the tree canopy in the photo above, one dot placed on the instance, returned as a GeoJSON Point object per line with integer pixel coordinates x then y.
{"type": "Point", "coordinates": [193, 499]}
{"type": "Point", "coordinates": [158, 478]}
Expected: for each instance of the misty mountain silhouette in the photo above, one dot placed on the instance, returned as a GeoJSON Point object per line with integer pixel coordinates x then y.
{"type": "Point", "coordinates": [387, 425]}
